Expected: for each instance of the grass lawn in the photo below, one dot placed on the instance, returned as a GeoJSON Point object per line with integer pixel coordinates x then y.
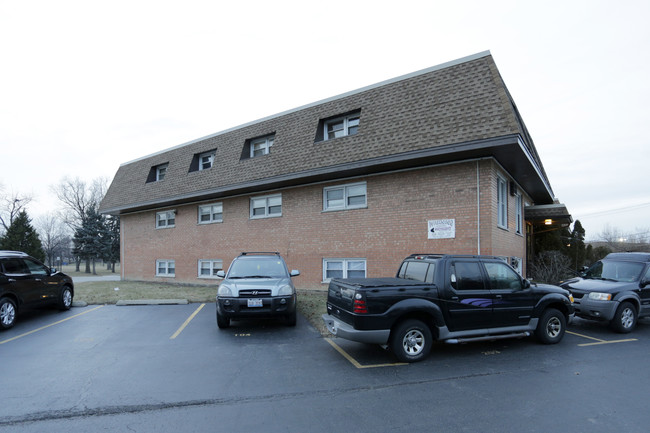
{"type": "Point", "coordinates": [311, 303]}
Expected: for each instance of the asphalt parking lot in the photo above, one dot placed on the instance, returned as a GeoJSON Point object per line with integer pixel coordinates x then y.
{"type": "Point", "coordinates": [168, 368]}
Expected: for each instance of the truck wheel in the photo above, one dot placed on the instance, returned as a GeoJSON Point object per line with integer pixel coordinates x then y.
{"type": "Point", "coordinates": [624, 320]}
{"type": "Point", "coordinates": [411, 341]}
{"type": "Point", "coordinates": [551, 327]}
{"type": "Point", "coordinates": [222, 322]}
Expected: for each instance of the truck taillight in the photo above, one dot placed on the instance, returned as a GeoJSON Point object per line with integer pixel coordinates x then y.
{"type": "Point", "coordinates": [360, 306]}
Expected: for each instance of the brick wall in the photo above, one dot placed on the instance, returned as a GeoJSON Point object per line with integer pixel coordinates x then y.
{"type": "Point", "coordinates": [393, 225]}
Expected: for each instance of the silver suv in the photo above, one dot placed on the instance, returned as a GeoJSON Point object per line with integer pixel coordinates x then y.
{"type": "Point", "coordinates": [258, 284]}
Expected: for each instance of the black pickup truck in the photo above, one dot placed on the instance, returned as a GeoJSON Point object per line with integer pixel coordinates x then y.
{"type": "Point", "coordinates": [449, 298]}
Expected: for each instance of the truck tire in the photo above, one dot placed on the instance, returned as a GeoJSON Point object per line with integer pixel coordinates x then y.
{"type": "Point", "coordinates": [411, 341]}
{"type": "Point", "coordinates": [624, 320]}
{"type": "Point", "coordinates": [551, 327]}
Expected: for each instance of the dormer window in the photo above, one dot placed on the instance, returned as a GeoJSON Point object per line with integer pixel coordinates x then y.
{"type": "Point", "coordinates": [206, 160]}
{"type": "Point", "coordinates": [203, 161]}
{"type": "Point", "coordinates": [157, 173]}
{"type": "Point", "coordinates": [161, 170]}
{"type": "Point", "coordinates": [261, 146]}
{"type": "Point", "coordinates": [258, 146]}
{"type": "Point", "coordinates": [342, 126]}
{"type": "Point", "coordinates": [338, 126]}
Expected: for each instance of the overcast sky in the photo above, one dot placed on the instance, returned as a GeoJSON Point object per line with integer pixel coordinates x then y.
{"type": "Point", "coordinates": [89, 85]}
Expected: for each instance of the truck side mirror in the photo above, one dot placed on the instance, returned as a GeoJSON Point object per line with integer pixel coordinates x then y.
{"type": "Point", "coordinates": [526, 284]}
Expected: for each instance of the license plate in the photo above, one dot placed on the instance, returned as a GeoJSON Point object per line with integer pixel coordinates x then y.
{"type": "Point", "coordinates": [254, 303]}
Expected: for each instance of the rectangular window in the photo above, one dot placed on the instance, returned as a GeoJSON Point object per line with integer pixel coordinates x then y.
{"type": "Point", "coordinates": [351, 196]}
{"type": "Point", "coordinates": [211, 213]}
{"type": "Point", "coordinates": [266, 207]}
{"type": "Point", "coordinates": [166, 219]}
{"type": "Point", "coordinates": [502, 203]}
{"type": "Point", "coordinates": [261, 146]}
{"type": "Point", "coordinates": [165, 268]}
{"type": "Point", "coordinates": [341, 126]}
{"type": "Point", "coordinates": [161, 170]}
{"type": "Point", "coordinates": [344, 268]}
{"type": "Point", "coordinates": [519, 214]}
{"type": "Point", "coordinates": [209, 268]}
{"type": "Point", "coordinates": [206, 160]}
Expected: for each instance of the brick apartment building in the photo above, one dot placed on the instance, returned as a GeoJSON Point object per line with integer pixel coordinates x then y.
{"type": "Point", "coordinates": [436, 161]}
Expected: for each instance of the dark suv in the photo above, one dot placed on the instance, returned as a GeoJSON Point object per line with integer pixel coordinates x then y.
{"type": "Point", "coordinates": [256, 285]}
{"type": "Point", "coordinates": [25, 282]}
{"type": "Point", "coordinates": [615, 289]}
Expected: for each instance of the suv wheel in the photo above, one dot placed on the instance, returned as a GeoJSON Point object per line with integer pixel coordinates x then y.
{"type": "Point", "coordinates": [411, 341]}
{"type": "Point", "coordinates": [624, 320]}
{"type": "Point", "coordinates": [7, 313]}
{"type": "Point", "coordinates": [222, 322]}
{"type": "Point", "coordinates": [291, 319]}
{"type": "Point", "coordinates": [551, 327]}
{"type": "Point", "coordinates": [65, 299]}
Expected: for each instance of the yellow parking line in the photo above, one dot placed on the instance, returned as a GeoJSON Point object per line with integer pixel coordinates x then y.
{"type": "Point", "coordinates": [608, 342]}
{"type": "Point", "coordinates": [587, 337]}
{"type": "Point", "coordinates": [47, 326]}
{"type": "Point", "coordinates": [354, 361]}
{"type": "Point", "coordinates": [187, 322]}
{"type": "Point", "coordinates": [599, 341]}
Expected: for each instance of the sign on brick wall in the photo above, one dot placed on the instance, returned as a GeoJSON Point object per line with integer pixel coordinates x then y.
{"type": "Point", "coordinates": [442, 229]}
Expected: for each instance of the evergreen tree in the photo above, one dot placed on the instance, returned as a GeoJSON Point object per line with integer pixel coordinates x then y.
{"type": "Point", "coordinates": [21, 236]}
{"type": "Point", "coordinates": [113, 231]}
{"type": "Point", "coordinates": [576, 250]}
{"type": "Point", "coordinates": [91, 240]}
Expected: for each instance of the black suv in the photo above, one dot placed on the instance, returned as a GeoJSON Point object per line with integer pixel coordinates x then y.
{"type": "Point", "coordinates": [256, 285]}
{"type": "Point", "coordinates": [25, 282]}
{"type": "Point", "coordinates": [615, 289]}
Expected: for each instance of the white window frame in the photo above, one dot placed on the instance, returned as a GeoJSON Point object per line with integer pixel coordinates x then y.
{"type": "Point", "coordinates": [212, 265]}
{"type": "Point", "coordinates": [519, 214]}
{"type": "Point", "coordinates": [166, 216]}
{"type": "Point", "coordinates": [348, 123]}
{"type": "Point", "coordinates": [161, 171]}
{"type": "Point", "coordinates": [270, 201]}
{"type": "Point", "coordinates": [345, 262]}
{"type": "Point", "coordinates": [264, 144]}
{"type": "Point", "coordinates": [502, 203]}
{"type": "Point", "coordinates": [212, 208]}
{"type": "Point", "coordinates": [346, 190]}
{"type": "Point", "coordinates": [166, 265]}
{"type": "Point", "coordinates": [209, 161]}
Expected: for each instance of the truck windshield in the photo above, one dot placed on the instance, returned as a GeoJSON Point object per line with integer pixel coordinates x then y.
{"type": "Point", "coordinates": [615, 271]}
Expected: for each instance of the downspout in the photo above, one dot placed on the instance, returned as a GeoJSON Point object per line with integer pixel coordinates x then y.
{"type": "Point", "coordinates": [122, 249]}
{"type": "Point", "coordinates": [478, 210]}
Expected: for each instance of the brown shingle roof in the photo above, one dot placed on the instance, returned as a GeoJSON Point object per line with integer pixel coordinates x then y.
{"type": "Point", "coordinates": [450, 111]}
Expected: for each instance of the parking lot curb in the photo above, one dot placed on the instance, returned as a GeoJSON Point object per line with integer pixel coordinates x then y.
{"type": "Point", "coordinates": [152, 302]}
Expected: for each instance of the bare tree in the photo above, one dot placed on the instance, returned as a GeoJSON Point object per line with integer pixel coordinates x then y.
{"type": "Point", "coordinates": [11, 204]}
{"type": "Point", "coordinates": [617, 241]}
{"type": "Point", "coordinates": [54, 236]}
{"type": "Point", "coordinates": [77, 198]}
